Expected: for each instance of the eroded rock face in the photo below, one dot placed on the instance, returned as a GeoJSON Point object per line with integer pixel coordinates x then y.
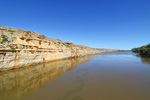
{"type": "Point", "coordinates": [20, 47]}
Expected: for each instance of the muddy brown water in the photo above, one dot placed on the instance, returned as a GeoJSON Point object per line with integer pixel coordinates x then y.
{"type": "Point", "coordinates": [105, 76]}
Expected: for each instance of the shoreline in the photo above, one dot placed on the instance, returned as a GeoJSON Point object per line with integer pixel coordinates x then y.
{"type": "Point", "coordinates": [47, 61]}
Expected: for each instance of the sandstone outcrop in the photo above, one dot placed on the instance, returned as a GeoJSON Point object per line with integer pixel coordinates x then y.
{"type": "Point", "coordinates": [19, 47]}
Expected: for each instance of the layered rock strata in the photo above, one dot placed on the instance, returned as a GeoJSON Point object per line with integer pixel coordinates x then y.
{"type": "Point", "coordinates": [19, 47]}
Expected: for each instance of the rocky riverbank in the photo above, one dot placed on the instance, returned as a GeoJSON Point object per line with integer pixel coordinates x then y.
{"type": "Point", "coordinates": [19, 47]}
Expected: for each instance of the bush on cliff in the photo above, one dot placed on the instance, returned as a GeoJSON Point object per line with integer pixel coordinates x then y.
{"type": "Point", "coordinates": [144, 50]}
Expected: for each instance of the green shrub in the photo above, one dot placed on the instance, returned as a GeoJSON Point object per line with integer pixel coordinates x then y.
{"type": "Point", "coordinates": [11, 31]}
{"type": "Point", "coordinates": [68, 46]}
{"type": "Point", "coordinates": [12, 48]}
{"type": "Point", "coordinates": [144, 50]}
{"type": "Point", "coordinates": [4, 40]}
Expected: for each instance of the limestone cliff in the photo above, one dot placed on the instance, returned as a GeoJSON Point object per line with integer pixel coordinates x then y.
{"type": "Point", "coordinates": [19, 47]}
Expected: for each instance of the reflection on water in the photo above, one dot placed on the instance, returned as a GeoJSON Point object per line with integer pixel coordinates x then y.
{"type": "Point", "coordinates": [20, 83]}
{"type": "Point", "coordinates": [145, 59]}
{"type": "Point", "coordinates": [107, 76]}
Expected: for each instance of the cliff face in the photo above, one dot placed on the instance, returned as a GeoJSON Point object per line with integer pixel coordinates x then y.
{"type": "Point", "coordinates": [20, 47]}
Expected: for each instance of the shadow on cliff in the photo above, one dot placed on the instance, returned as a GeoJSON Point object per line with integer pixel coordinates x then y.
{"type": "Point", "coordinates": [20, 83]}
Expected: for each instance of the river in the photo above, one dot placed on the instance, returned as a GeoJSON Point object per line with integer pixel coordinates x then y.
{"type": "Point", "coordinates": [104, 76]}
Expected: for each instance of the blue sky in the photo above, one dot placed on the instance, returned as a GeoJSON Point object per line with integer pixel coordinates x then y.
{"type": "Point", "coordinates": [116, 24]}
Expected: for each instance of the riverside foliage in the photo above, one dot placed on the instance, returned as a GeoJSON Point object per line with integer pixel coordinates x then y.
{"type": "Point", "coordinates": [144, 50]}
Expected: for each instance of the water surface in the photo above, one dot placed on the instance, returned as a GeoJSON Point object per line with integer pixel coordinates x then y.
{"type": "Point", "coordinates": [105, 76]}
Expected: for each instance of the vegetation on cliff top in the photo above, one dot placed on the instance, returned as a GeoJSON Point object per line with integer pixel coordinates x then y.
{"type": "Point", "coordinates": [143, 50]}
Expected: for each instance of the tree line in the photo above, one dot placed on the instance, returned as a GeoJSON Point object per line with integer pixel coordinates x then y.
{"type": "Point", "coordinates": [143, 50]}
